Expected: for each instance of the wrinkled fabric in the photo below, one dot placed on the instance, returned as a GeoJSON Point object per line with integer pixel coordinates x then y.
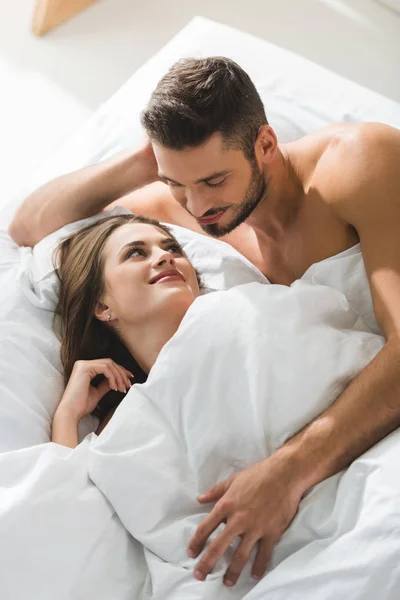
{"type": "Point", "coordinates": [246, 370]}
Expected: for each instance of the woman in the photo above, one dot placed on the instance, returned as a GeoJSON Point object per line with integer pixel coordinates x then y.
{"type": "Point", "coordinates": [125, 286]}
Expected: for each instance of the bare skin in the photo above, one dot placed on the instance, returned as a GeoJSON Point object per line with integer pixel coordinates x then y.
{"type": "Point", "coordinates": [326, 192]}
{"type": "Point", "coordinates": [283, 244]}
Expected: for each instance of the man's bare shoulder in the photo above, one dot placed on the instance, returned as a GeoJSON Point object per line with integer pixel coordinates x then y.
{"type": "Point", "coordinates": [355, 158]}
{"type": "Point", "coordinates": [346, 140]}
{"type": "Point", "coordinates": [359, 140]}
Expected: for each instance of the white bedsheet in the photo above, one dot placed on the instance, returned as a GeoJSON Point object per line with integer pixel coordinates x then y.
{"type": "Point", "coordinates": [223, 397]}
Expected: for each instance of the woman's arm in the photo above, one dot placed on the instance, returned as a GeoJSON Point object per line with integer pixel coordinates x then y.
{"type": "Point", "coordinates": [81, 397]}
{"type": "Point", "coordinates": [65, 428]}
{"type": "Point", "coordinates": [81, 194]}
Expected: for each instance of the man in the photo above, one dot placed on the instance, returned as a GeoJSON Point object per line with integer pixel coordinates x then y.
{"type": "Point", "coordinates": [285, 208]}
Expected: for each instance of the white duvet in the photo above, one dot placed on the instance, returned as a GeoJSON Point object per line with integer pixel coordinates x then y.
{"type": "Point", "coordinates": [60, 538]}
{"type": "Point", "coordinates": [247, 369]}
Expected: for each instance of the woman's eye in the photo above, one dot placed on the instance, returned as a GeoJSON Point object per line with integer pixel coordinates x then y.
{"type": "Point", "coordinates": [135, 252]}
{"type": "Point", "coordinates": [217, 184]}
{"type": "Point", "coordinates": [175, 249]}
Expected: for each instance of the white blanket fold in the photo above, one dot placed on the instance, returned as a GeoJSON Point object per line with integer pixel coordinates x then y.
{"type": "Point", "coordinates": [59, 536]}
{"type": "Point", "coordinates": [246, 370]}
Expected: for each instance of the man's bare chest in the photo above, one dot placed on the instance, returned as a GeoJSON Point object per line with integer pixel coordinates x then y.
{"type": "Point", "coordinates": [287, 259]}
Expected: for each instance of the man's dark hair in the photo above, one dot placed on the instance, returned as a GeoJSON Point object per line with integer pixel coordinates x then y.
{"type": "Point", "coordinates": [200, 97]}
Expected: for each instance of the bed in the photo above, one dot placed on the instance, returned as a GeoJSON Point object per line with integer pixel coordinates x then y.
{"type": "Point", "coordinates": [59, 534]}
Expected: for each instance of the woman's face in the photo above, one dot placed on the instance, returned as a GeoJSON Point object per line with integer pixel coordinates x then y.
{"type": "Point", "coordinates": [146, 275]}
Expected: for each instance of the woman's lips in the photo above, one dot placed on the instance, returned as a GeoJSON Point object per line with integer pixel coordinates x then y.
{"type": "Point", "coordinates": [168, 275]}
{"type": "Point", "coordinates": [166, 278]}
{"type": "Point", "coordinates": [212, 219]}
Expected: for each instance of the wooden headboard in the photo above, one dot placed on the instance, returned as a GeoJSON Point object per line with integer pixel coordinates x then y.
{"type": "Point", "coordinates": [50, 13]}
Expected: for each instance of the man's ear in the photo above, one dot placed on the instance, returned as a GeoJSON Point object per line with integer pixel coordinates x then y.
{"type": "Point", "coordinates": [266, 144]}
{"type": "Point", "coordinates": [102, 311]}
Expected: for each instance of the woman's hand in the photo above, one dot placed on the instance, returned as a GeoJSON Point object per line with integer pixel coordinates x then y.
{"type": "Point", "coordinates": [81, 397]}
{"type": "Point", "coordinates": [257, 504]}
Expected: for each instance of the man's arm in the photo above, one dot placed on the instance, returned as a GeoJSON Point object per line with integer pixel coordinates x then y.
{"type": "Point", "coordinates": [81, 194]}
{"type": "Point", "coordinates": [259, 503]}
{"type": "Point", "coordinates": [369, 200]}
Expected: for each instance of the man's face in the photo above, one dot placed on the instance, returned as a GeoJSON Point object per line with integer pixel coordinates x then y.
{"type": "Point", "coordinates": [217, 185]}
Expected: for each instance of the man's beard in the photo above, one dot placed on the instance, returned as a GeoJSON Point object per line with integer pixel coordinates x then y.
{"type": "Point", "coordinates": [255, 192]}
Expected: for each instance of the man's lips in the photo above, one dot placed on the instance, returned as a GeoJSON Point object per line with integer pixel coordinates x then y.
{"type": "Point", "coordinates": [212, 219]}
{"type": "Point", "coordinates": [170, 275]}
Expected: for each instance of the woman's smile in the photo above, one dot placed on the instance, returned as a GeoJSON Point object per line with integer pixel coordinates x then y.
{"type": "Point", "coordinates": [167, 275]}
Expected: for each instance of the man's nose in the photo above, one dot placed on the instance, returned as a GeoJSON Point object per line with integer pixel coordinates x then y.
{"type": "Point", "coordinates": [196, 203]}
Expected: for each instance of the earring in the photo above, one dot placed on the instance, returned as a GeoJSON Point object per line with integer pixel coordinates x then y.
{"type": "Point", "coordinates": [108, 317]}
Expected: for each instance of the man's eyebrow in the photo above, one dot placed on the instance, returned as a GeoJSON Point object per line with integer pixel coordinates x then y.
{"type": "Point", "coordinates": [202, 180]}
{"type": "Point", "coordinates": [141, 243]}
{"type": "Point", "coordinates": [162, 176]}
{"type": "Point", "coordinates": [214, 176]}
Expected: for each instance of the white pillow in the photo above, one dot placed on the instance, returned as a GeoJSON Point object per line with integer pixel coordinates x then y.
{"type": "Point", "coordinates": [30, 371]}
{"type": "Point", "coordinates": [220, 266]}
{"type": "Point", "coordinates": [31, 380]}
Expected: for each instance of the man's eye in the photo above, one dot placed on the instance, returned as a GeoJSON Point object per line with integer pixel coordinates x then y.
{"type": "Point", "coordinates": [217, 184]}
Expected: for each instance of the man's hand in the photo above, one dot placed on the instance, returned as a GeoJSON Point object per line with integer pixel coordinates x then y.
{"type": "Point", "coordinates": [148, 162]}
{"type": "Point", "coordinates": [257, 504]}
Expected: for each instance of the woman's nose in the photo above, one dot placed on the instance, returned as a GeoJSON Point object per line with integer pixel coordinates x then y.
{"type": "Point", "coordinates": [164, 258]}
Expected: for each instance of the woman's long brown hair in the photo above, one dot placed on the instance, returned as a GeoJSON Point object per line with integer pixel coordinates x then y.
{"type": "Point", "coordinates": [79, 262]}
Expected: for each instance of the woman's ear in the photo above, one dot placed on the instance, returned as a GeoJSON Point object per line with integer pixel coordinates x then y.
{"type": "Point", "coordinates": [266, 144]}
{"type": "Point", "coordinates": [102, 311]}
